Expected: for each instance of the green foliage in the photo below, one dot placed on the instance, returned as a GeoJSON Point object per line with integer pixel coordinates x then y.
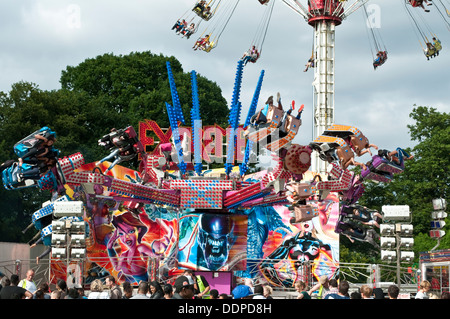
{"type": "Point", "coordinates": [136, 86]}
{"type": "Point", "coordinates": [425, 177]}
{"type": "Point", "coordinates": [356, 252]}
{"type": "Point", "coordinates": [98, 94]}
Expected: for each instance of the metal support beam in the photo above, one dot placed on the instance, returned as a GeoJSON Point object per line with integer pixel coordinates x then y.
{"type": "Point", "coordinates": [323, 84]}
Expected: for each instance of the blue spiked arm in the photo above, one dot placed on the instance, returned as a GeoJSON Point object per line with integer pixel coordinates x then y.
{"type": "Point", "coordinates": [196, 125]}
{"type": "Point", "coordinates": [233, 118]}
{"type": "Point", "coordinates": [255, 99]}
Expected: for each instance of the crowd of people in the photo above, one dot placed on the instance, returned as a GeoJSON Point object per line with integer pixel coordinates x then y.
{"type": "Point", "coordinates": [332, 289]}
{"type": "Point", "coordinates": [192, 286]}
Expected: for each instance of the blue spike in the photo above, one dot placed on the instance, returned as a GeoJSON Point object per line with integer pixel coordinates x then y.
{"type": "Point", "coordinates": [197, 125]}
{"type": "Point", "coordinates": [254, 103]}
{"type": "Point", "coordinates": [171, 111]}
{"type": "Point", "coordinates": [237, 83]}
{"type": "Point", "coordinates": [243, 167]}
{"type": "Point", "coordinates": [233, 118]}
{"type": "Point", "coordinates": [175, 98]}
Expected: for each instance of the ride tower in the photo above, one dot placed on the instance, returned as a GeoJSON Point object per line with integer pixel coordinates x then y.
{"type": "Point", "coordinates": [323, 16]}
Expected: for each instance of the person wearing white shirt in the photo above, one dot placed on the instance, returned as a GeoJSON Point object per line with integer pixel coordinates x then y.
{"type": "Point", "coordinates": [97, 291]}
{"type": "Point", "coordinates": [258, 292]}
{"type": "Point", "coordinates": [424, 287]}
{"type": "Point", "coordinates": [28, 282]}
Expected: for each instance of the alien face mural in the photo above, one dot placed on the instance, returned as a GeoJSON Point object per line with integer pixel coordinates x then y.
{"type": "Point", "coordinates": [215, 237]}
{"type": "Point", "coordinates": [211, 241]}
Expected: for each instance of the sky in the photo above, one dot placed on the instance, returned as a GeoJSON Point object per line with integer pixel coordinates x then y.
{"type": "Point", "coordinates": [41, 38]}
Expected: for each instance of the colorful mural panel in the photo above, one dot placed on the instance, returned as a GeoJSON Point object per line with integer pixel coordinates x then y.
{"type": "Point", "coordinates": [125, 237]}
{"type": "Point", "coordinates": [211, 241]}
{"type": "Point", "coordinates": [135, 242]}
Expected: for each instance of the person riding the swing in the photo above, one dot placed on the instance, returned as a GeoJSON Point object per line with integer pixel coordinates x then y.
{"type": "Point", "coordinates": [380, 59]}
{"type": "Point", "coordinates": [309, 64]}
{"type": "Point", "coordinates": [188, 31]}
{"type": "Point", "coordinates": [437, 45]}
{"type": "Point", "coordinates": [250, 55]}
{"type": "Point", "coordinates": [201, 43]}
{"type": "Point", "coordinates": [430, 51]}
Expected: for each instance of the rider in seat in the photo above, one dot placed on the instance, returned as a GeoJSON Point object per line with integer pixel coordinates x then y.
{"type": "Point", "coordinates": [419, 3]}
{"type": "Point", "coordinates": [309, 64]}
{"type": "Point", "coordinates": [430, 51]}
{"type": "Point", "coordinates": [252, 55]}
{"type": "Point", "coordinates": [380, 59]}
{"type": "Point", "coordinates": [202, 43]}
{"type": "Point", "coordinates": [437, 45]}
{"type": "Point", "coordinates": [188, 31]}
{"type": "Point", "coordinates": [179, 26]}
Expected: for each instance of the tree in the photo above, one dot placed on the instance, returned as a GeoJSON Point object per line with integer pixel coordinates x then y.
{"type": "Point", "coordinates": [136, 86]}
{"type": "Point", "coordinates": [22, 111]}
{"type": "Point", "coordinates": [424, 178]}
{"type": "Point", "coordinates": [427, 177]}
{"type": "Point", "coordinates": [97, 95]}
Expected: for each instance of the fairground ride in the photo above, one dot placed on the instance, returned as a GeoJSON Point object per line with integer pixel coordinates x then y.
{"type": "Point", "coordinates": [324, 16]}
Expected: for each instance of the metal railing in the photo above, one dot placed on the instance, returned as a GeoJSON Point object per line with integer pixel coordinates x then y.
{"type": "Point", "coordinates": [20, 268]}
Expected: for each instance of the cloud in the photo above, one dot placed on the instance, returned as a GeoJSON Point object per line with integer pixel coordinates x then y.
{"type": "Point", "coordinates": [41, 38]}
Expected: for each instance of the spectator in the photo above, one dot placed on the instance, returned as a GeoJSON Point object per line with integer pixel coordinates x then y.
{"type": "Point", "coordinates": [242, 292]}
{"type": "Point", "coordinates": [424, 287]}
{"type": "Point", "coordinates": [168, 291]}
{"type": "Point", "coordinates": [323, 286]}
{"type": "Point", "coordinates": [432, 295]}
{"type": "Point", "coordinates": [366, 292]}
{"type": "Point", "coordinates": [355, 295]}
{"type": "Point", "coordinates": [127, 290]}
{"type": "Point", "coordinates": [249, 282]}
{"type": "Point", "coordinates": [2, 275]}
{"type": "Point", "coordinates": [28, 282]}
{"type": "Point", "coordinates": [445, 295]}
{"type": "Point", "coordinates": [342, 291]}
{"type": "Point", "coordinates": [378, 293]}
{"type": "Point", "coordinates": [43, 287]}
{"type": "Point", "coordinates": [333, 286]}
{"type": "Point", "coordinates": [268, 292]}
{"type": "Point", "coordinates": [39, 294]}
{"type": "Point", "coordinates": [214, 293]}
{"type": "Point", "coordinates": [183, 289]}
{"type": "Point", "coordinates": [97, 291]}
{"type": "Point", "coordinates": [142, 291]}
{"type": "Point", "coordinates": [393, 292]}
{"type": "Point", "coordinates": [56, 294]}
{"type": "Point", "coordinates": [73, 294]}
{"type": "Point", "coordinates": [114, 289]}
{"type": "Point", "coordinates": [156, 291]}
{"type": "Point", "coordinates": [13, 291]}
{"type": "Point", "coordinates": [224, 296]}
{"type": "Point", "coordinates": [80, 290]}
{"type": "Point", "coordinates": [5, 282]}
{"type": "Point", "coordinates": [62, 287]}
{"type": "Point", "coordinates": [258, 292]}
{"type": "Point", "coordinates": [201, 285]}
{"type": "Point", "coordinates": [300, 287]}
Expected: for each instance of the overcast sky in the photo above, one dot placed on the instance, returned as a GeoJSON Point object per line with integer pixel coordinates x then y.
{"type": "Point", "coordinates": [41, 38]}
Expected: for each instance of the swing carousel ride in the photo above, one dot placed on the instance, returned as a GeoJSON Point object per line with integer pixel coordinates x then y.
{"type": "Point", "coordinates": [275, 225]}
{"type": "Point", "coordinates": [323, 16]}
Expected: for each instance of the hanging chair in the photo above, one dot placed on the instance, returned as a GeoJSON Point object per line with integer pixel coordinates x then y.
{"type": "Point", "coordinates": [254, 53]}
{"type": "Point", "coordinates": [206, 10]}
{"type": "Point", "coordinates": [217, 26]}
